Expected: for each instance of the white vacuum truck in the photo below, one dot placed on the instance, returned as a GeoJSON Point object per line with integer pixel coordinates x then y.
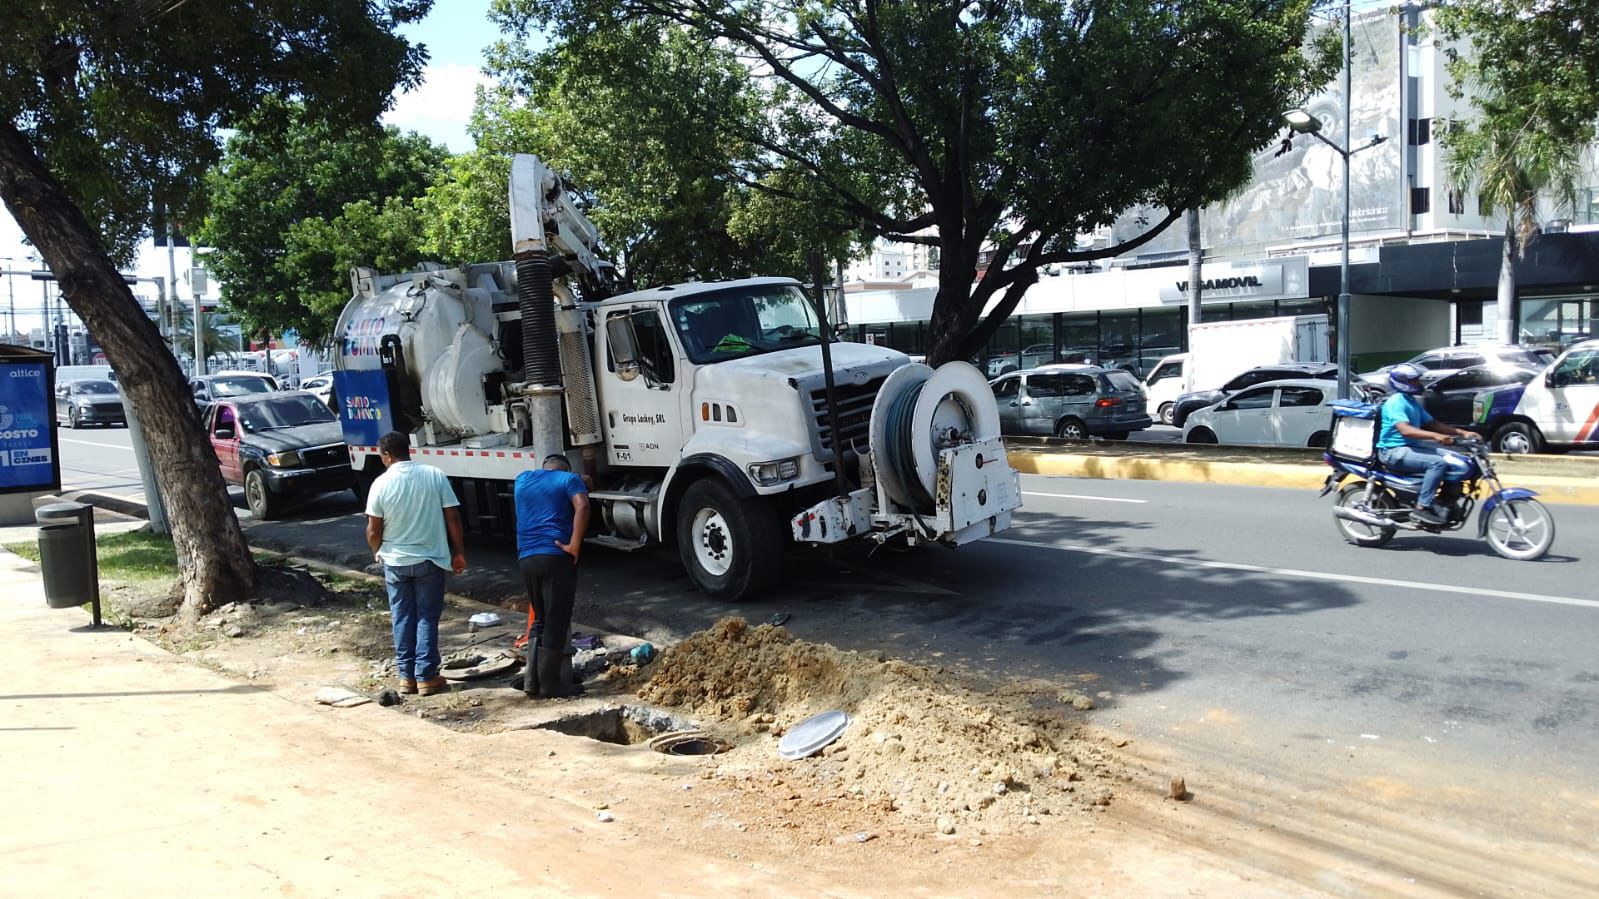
{"type": "Point", "coordinates": [702, 413]}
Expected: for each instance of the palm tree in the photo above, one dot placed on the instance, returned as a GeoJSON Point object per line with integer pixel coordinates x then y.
{"type": "Point", "coordinates": [1511, 158]}
{"type": "Point", "coordinates": [217, 344]}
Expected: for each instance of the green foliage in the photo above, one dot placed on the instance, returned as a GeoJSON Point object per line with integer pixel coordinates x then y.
{"type": "Point", "coordinates": [636, 122]}
{"type": "Point", "coordinates": [1532, 74]}
{"type": "Point", "coordinates": [295, 203]}
{"type": "Point", "coordinates": [1008, 127]}
{"type": "Point", "coordinates": [1532, 61]}
{"type": "Point", "coordinates": [123, 100]}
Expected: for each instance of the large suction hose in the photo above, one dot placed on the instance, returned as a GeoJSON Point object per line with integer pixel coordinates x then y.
{"type": "Point", "coordinates": [898, 454]}
{"type": "Point", "coordinates": [535, 295]}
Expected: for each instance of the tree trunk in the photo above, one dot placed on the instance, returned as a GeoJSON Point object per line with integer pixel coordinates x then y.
{"type": "Point", "coordinates": [213, 560]}
{"type": "Point", "coordinates": [1507, 287]}
{"type": "Point", "coordinates": [953, 313]}
{"type": "Point", "coordinates": [1196, 256]}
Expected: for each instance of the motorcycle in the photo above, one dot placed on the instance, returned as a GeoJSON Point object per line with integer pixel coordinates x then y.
{"type": "Point", "coordinates": [1372, 511]}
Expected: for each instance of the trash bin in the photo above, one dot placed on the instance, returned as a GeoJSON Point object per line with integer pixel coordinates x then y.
{"type": "Point", "coordinates": [67, 555]}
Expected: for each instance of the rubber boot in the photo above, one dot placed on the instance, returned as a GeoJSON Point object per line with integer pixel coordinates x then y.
{"type": "Point", "coordinates": [531, 679]}
{"type": "Point", "coordinates": [551, 685]}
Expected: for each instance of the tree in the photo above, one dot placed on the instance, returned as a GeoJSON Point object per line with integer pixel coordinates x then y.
{"type": "Point", "coordinates": [627, 122]}
{"type": "Point", "coordinates": [105, 108]}
{"type": "Point", "coordinates": [1533, 76]}
{"type": "Point", "coordinates": [297, 201]}
{"type": "Point", "coordinates": [1001, 130]}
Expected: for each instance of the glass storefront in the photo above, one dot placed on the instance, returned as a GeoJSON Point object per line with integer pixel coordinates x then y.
{"type": "Point", "coordinates": [1558, 322]}
{"type": "Point", "coordinates": [1134, 339]}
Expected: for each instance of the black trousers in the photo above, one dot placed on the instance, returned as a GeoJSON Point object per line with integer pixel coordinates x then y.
{"type": "Point", "coordinates": [551, 582]}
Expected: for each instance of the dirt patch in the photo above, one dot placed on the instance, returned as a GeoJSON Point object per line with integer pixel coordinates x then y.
{"type": "Point", "coordinates": [920, 752]}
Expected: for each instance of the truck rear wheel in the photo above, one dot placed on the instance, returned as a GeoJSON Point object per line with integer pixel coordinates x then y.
{"type": "Point", "coordinates": [731, 547]}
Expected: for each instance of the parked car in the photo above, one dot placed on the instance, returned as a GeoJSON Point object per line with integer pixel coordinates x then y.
{"type": "Point", "coordinates": [322, 386]}
{"type": "Point", "coordinates": [1445, 361]}
{"type": "Point", "coordinates": [210, 388]}
{"type": "Point", "coordinates": [277, 445]}
{"type": "Point", "coordinates": [1071, 401]}
{"type": "Point", "coordinates": [1449, 399]}
{"type": "Point", "coordinates": [1556, 410]}
{"type": "Point", "coordinates": [1277, 413]}
{"type": "Point", "coordinates": [1187, 403]}
{"type": "Point", "coordinates": [89, 402]}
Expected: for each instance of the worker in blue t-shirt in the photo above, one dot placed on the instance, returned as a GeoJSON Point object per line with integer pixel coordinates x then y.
{"type": "Point", "coordinates": [1411, 442]}
{"type": "Point", "coordinates": [552, 514]}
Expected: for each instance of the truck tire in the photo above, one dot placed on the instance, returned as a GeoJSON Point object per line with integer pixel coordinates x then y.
{"type": "Point", "coordinates": [732, 548]}
{"type": "Point", "coordinates": [1167, 412]}
{"type": "Point", "coordinates": [263, 503]}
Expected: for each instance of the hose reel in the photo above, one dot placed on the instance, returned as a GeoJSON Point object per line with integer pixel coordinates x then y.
{"type": "Point", "coordinates": [920, 411]}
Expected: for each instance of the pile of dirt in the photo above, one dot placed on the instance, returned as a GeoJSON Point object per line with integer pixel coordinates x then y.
{"type": "Point", "coordinates": [920, 749]}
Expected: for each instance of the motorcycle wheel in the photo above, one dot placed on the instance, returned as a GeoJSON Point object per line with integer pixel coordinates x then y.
{"type": "Point", "coordinates": [1363, 534]}
{"type": "Point", "coordinates": [1521, 529]}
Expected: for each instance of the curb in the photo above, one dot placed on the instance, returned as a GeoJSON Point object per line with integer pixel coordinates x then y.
{"type": "Point", "coordinates": [118, 504]}
{"type": "Point", "coordinates": [1149, 463]}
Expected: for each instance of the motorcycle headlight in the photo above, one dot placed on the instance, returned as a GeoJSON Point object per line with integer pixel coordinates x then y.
{"type": "Point", "coordinates": [287, 459]}
{"type": "Point", "coordinates": [768, 473]}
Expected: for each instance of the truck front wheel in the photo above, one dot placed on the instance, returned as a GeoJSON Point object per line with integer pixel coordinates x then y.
{"type": "Point", "coordinates": [731, 547]}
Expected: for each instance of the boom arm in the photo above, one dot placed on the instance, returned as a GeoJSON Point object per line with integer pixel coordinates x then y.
{"type": "Point", "coordinates": [544, 218]}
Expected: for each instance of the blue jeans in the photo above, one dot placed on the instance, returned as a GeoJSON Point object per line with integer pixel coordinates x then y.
{"type": "Point", "coordinates": [416, 602]}
{"type": "Point", "coordinates": [1433, 463]}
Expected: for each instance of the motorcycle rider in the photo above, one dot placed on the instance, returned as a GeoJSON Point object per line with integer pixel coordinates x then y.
{"type": "Point", "coordinates": [1411, 442]}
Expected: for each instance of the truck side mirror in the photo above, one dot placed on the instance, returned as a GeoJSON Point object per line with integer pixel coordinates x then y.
{"type": "Point", "coordinates": [1549, 378]}
{"type": "Point", "coordinates": [623, 345]}
{"type": "Point", "coordinates": [225, 432]}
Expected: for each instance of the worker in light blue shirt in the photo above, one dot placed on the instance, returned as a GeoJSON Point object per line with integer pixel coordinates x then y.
{"type": "Point", "coordinates": [1411, 442]}
{"type": "Point", "coordinates": [414, 528]}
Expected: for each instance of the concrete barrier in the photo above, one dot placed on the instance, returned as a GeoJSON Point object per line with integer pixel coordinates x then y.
{"type": "Point", "coordinates": [1558, 479]}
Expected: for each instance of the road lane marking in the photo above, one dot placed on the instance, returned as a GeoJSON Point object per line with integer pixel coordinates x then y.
{"type": "Point", "coordinates": [101, 445]}
{"type": "Point", "coordinates": [1102, 499]}
{"type": "Point", "coordinates": [1301, 573]}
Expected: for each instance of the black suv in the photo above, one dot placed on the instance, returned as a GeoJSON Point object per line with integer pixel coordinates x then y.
{"type": "Point", "coordinates": [1282, 371]}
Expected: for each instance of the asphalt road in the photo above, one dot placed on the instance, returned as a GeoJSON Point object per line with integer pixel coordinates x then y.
{"type": "Point", "coordinates": [1225, 625]}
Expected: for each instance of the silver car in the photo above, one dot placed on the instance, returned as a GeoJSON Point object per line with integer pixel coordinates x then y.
{"type": "Point", "coordinates": [1071, 401]}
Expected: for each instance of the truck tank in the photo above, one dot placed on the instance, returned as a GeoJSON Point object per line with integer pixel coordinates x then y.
{"type": "Point", "coordinates": [442, 324]}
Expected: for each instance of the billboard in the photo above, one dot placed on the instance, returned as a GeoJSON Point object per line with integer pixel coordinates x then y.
{"type": "Point", "coordinates": [1298, 195]}
{"type": "Point", "coordinates": [27, 427]}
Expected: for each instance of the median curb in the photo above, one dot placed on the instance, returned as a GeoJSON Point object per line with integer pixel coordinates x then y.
{"type": "Point", "coordinates": [1566, 481]}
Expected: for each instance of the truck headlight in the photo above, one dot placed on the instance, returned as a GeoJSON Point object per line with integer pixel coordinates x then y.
{"type": "Point", "coordinates": [288, 459]}
{"type": "Point", "coordinates": [768, 473]}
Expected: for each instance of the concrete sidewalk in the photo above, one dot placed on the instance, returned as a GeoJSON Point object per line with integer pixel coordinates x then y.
{"type": "Point", "coordinates": [132, 773]}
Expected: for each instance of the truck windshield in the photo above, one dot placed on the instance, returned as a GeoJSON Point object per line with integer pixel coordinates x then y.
{"type": "Point", "coordinates": [283, 412]}
{"type": "Point", "coordinates": [745, 321]}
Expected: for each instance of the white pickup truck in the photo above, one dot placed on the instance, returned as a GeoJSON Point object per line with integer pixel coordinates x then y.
{"type": "Point", "coordinates": [1558, 410]}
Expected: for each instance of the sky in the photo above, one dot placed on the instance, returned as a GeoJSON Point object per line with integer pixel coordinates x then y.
{"type": "Point", "coordinates": [455, 34]}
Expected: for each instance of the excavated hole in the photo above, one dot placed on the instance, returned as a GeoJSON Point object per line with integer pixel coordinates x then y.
{"type": "Point", "coordinates": [631, 725]}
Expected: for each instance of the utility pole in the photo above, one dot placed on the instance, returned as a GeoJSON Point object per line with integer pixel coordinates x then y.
{"type": "Point", "coordinates": [199, 328]}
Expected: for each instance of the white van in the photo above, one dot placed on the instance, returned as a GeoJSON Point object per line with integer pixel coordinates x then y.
{"type": "Point", "coordinates": [1558, 409]}
{"type": "Point", "coordinates": [1164, 383]}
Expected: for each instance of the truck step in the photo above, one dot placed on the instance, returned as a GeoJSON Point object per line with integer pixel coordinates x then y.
{"type": "Point", "coordinates": [617, 543]}
{"type": "Point", "coordinates": [620, 496]}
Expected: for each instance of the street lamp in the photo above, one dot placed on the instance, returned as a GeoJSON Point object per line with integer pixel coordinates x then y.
{"type": "Point", "coordinates": [1300, 121]}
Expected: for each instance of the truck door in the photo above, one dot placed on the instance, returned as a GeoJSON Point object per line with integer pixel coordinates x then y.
{"type": "Point", "coordinates": [642, 416]}
{"type": "Point", "coordinates": [225, 441]}
{"type": "Point", "coordinates": [1567, 408]}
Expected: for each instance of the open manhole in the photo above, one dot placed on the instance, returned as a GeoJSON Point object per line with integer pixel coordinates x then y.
{"type": "Point", "coordinates": [631, 725]}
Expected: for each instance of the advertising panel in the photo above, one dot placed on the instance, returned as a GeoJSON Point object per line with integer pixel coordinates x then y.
{"type": "Point", "coordinates": [364, 409]}
{"type": "Point", "coordinates": [1299, 194]}
{"type": "Point", "coordinates": [27, 427]}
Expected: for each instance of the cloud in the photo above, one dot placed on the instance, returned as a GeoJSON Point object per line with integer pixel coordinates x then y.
{"type": "Point", "coordinates": [441, 107]}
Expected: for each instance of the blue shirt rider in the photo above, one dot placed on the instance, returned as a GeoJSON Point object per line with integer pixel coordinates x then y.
{"type": "Point", "coordinates": [1411, 442]}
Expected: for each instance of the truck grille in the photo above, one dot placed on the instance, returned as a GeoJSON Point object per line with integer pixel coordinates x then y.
{"type": "Point", "coordinates": [320, 456]}
{"type": "Point", "coordinates": [854, 413]}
